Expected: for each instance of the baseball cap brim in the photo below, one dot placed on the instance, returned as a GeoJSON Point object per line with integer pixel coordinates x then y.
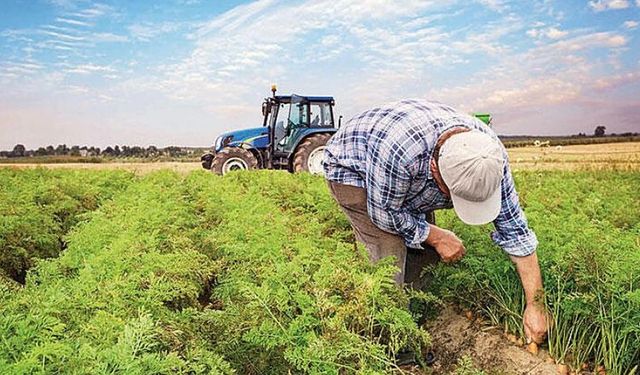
{"type": "Point", "coordinates": [478, 213]}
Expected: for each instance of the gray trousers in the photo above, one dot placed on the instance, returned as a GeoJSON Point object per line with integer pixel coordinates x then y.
{"type": "Point", "coordinates": [380, 244]}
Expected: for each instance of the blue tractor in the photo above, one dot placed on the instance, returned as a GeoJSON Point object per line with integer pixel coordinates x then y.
{"type": "Point", "coordinates": [293, 137]}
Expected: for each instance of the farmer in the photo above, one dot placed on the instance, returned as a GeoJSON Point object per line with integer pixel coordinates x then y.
{"type": "Point", "coordinates": [389, 167]}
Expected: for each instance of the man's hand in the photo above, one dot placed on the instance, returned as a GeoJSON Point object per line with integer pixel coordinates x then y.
{"type": "Point", "coordinates": [535, 324]}
{"type": "Point", "coordinates": [534, 319]}
{"type": "Point", "coordinates": [446, 243]}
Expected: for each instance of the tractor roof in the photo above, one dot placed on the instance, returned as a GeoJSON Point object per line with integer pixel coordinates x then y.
{"type": "Point", "coordinates": [287, 98]}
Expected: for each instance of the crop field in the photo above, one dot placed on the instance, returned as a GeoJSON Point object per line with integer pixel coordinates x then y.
{"type": "Point", "coordinates": [603, 156]}
{"type": "Point", "coordinates": [111, 271]}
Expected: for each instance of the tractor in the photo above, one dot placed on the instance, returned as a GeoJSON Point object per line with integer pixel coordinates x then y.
{"type": "Point", "coordinates": [293, 136]}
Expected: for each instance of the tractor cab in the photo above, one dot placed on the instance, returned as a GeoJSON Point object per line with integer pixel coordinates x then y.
{"type": "Point", "coordinates": [292, 118]}
{"type": "Point", "coordinates": [293, 137]}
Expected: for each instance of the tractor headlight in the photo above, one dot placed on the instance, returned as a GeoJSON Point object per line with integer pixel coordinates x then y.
{"type": "Point", "coordinates": [218, 144]}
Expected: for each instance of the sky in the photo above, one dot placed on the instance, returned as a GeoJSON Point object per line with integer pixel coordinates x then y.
{"type": "Point", "coordinates": [179, 72]}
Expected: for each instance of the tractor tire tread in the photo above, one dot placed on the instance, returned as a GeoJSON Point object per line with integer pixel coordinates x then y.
{"type": "Point", "coordinates": [233, 152]}
{"type": "Point", "coordinates": [305, 148]}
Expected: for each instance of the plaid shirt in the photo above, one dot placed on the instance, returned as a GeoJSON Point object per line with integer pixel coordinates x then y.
{"type": "Point", "coordinates": [387, 151]}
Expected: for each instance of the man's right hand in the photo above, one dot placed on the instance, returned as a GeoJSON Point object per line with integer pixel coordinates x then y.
{"type": "Point", "coordinates": [446, 243]}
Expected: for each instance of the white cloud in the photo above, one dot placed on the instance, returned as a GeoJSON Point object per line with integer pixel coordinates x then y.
{"type": "Point", "coordinates": [631, 25]}
{"type": "Point", "coordinates": [95, 11]}
{"type": "Point", "coordinates": [71, 21]}
{"type": "Point", "coordinates": [108, 37]}
{"type": "Point", "coordinates": [63, 36]}
{"type": "Point", "coordinates": [245, 49]}
{"type": "Point", "coordinates": [617, 80]}
{"type": "Point", "coordinates": [89, 68]}
{"type": "Point", "coordinates": [601, 5]}
{"type": "Point", "coordinates": [559, 73]}
{"type": "Point", "coordinates": [551, 33]}
{"type": "Point", "coordinates": [148, 31]}
{"type": "Point", "coordinates": [496, 5]}
{"type": "Point", "coordinates": [21, 67]}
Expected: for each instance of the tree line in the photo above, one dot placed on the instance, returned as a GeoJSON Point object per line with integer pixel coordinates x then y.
{"type": "Point", "coordinates": [20, 150]}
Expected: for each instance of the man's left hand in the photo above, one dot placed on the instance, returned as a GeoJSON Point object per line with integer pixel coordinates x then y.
{"type": "Point", "coordinates": [535, 323]}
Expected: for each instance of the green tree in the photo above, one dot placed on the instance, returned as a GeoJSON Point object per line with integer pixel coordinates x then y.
{"type": "Point", "coordinates": [18, 150]}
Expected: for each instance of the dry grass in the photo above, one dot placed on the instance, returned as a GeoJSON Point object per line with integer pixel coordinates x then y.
{"type": "Point", "coordinates": [138, 168]}
{"type": "Point", "coordinates": [605, 156]}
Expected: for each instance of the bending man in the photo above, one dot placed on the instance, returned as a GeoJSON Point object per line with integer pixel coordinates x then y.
{"type": "Point", "coordinates": [389, 167]}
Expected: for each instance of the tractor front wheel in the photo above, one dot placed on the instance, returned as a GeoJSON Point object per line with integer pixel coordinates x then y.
{"type": "Point", "coordinates": [310, 153]}
{"type": "Point", "coordinates": [233, 159]}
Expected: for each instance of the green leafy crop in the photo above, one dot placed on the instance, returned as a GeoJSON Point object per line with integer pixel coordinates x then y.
{"type": "Point", "coordinates": [209, 275]}
{"type": "Point", "coordinates": [588, 225]}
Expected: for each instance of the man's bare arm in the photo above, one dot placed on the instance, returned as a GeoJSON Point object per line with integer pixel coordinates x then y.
{"type": "Point", "coordinates": [535, 324]}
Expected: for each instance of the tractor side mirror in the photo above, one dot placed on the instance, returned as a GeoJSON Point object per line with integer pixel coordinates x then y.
{"type": "Point", "coordinates": [265, 109]}
{"type": "Point", "coordinates": [339, 121]}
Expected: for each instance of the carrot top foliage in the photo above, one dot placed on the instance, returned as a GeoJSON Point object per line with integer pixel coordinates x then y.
{"type": "Point", "coordinates": [209, 275]}
{"type": "Point", "coordinates": [588, 225]}
{"type": "Point", "coordinates": [257, 272]}
{"type": "Point", "coordinates": [38, 207]}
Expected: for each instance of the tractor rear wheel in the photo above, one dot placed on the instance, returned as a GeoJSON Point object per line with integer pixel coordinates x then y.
{"type": "Point", "coordinates": [232, 159]}
{"type": "Point", "coordinates": [310, 153]}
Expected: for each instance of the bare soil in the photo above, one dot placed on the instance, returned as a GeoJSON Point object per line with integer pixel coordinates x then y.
{"type": "Point", "coordinates": [455, 336]}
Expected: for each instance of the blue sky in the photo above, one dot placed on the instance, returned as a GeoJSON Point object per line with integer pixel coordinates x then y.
{"type": "Point", "coordinates": [178, 72]}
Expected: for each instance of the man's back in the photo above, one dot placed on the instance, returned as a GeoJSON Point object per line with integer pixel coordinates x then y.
{"type": "Point", "coordinates": [404, 131]}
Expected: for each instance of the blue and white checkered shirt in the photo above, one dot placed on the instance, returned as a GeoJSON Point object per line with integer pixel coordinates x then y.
{"type": "Point", "coordinates": [388, 150]}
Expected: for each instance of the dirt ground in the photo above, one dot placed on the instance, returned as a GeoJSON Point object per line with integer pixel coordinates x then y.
{"type": "Point", "coordinates": [455, 336]}
{"type": "Point", "coordinates": [624, 156]}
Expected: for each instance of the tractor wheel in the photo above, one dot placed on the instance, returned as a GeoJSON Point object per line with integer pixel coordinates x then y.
{"type": "Point", "coordinates": [232, 159]}
{"type": "Point", "coordinates": [310, 153]}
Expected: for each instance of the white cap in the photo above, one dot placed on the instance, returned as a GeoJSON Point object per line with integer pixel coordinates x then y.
{"type": "Point", "coordinates": [471, 165]}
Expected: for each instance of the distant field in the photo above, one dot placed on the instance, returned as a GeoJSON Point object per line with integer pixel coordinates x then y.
{"type": "Point", "coordinates": [523, 141]}
{"type": "Point", "coordinates": [137, 167]}
{"type": "Point", "coordinates": [617, 156]}
{"type": "Point", "coordinates": [67, 159]}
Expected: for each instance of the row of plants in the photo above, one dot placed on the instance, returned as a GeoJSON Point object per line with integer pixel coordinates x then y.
{"type": "Point", "coordinates": [295, 295]}
{"type": "Point", "coordinates": [258, 273]}
{"type": "Point", "coordinates": [122, 298]}
{"type": "Point", "coordinates": [588, 225]}
{"type": "Point", "coordinates": [39, 206]}
{"type": "Point", "coordinates": [202, 274]}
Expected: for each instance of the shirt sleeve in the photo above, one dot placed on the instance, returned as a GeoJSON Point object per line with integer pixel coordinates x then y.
{"type": "Point", "coordinates": [388, 181]}
{"type": "Point", "coordinates": [512, 232]}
